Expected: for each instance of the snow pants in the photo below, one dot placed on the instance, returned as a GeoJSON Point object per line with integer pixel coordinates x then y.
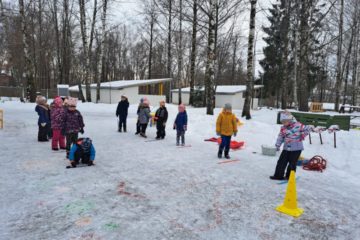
{"type": "Point", "coordinates": [225, 144]}
{"type": "Point", "coordinates": [71, 138]}
{"type": "Point", "coordinates": [287, 159]}
{"type": "Point", "coordinates": [122, 123]}
{"type": "Point", "coordinates": [180, 134]}
{"type": "Point", "coordinates": [143, 127]}
{"type": "Point", "coordinates": [160, 129]}
{"type": "Point", "coordinates": [80, 155]}
{"type": "Point", "coordinates": [57, 139]}
{"type": "Point", "coordinates": [43, 133]}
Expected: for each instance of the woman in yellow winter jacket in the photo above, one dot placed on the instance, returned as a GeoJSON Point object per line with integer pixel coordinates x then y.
{"type": "Point", "coordinates": [226, 127]}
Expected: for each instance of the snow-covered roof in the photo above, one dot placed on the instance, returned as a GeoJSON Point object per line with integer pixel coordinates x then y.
{"type": "Point", "coordinates": [223, 89]}
{"type": "Point", "coordinates": [124, 84]}
{"type": "Point", "coordinates": [62, 86]}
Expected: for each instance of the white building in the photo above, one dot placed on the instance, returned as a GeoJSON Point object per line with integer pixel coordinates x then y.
{"type": "Point", "coordinates": [233, 94]}
{"type": "Point", "coordinates": [111, 92]}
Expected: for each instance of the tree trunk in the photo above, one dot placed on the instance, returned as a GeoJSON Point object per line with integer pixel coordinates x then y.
{"type": "Point", "coordinates": [285, 77]}
{"type": "Point", "coordinates": [29, 65]}
{"type": "Point", "coordinates": [85, 48]}
{"type": "Point", "coordinates": [233, 67]}
{"type": "Point", "coordinates": [169, 55]}
{"type": "Point", "coordinates": [101, 64]}
{"type": "Point", "coordinates": [355, 54]}
{"type": "Point", "coordinates": [58, 74]}
{"type": "Point", "coordinates": [339, 58]}
{"type": "Point", "coordinates": [210, 73]}
{"type": "Point", "coordinates": [180, 58]}
{"type": "Point", "coordinates": [152, 22]}
{"type": "Point", "coordinates": [193, 53]}
{"type": "Point", "coordinates": [250, 77]}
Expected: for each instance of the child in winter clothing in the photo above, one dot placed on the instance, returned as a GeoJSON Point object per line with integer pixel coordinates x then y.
{"type": "Point", "coordinates": [122, 112]}
{"type": "Point", "coordinates": [180, 125]}
{"type": "Point", "coordinates": [57, 118]}
{"type": "Point", "coordinates": [73, 124]}
{"type": "Point", "coordinates": [161, 117]}
{"type": "Point", "coordinates": [83, 150]}
{"type": "Point", "coordinates": [144, 117]}
{"type": "Point", "coordinates": [226, 127]}
{"type": "Point", "coordinates": [42, 110]}
{"type": "Point", "coordinates": [137, 112]}
{"type": "Point", "coordinates": [292, 133]}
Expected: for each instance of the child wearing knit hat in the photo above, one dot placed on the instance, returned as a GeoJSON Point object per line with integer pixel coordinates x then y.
{"type": "Point", "coordinates": [292, 134]}
{"type": "Point", "coordinates": [180, 125]}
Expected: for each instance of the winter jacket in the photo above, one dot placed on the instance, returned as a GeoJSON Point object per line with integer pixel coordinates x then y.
{"type": "Point", "coordinates": [161, 115]}
{"type": "Point", "coordinates": [122, 108]}
{"type": "Point", "coordinates": [181, 121]}
{"type": "Point", "coordinates": [57, 117]}
{"type": "Point", "coordinates": [292, 136]}
{"type": "Point", "coordinates": [144, 115]}
{"type": "Point", "coordinates": [43, 112]}
{"type": "Point", "coordinates": [226, 124]}
{"type": "Point", "coordinates": [73, 122]}
{"type": "Point", "coordinates": [76, 147]}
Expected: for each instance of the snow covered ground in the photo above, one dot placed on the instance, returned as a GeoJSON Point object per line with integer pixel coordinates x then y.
{"type": "Point", "coordinates": [155, 190]}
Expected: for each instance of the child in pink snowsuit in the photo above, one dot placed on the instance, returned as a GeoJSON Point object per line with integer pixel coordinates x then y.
{"type": "Point", "coordinates": [57, 118]}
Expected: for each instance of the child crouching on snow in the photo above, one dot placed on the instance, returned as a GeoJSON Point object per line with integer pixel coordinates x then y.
{"type": "Point", "coordinates": [82, 151]}
{"type": "Point", "coordinates": [226, 126]}
{"type": "Point", "coordinates": [73, 124]}
{"type": "Point", "coordinates": [180, 125]}
{"type": "Point", "coordinates": [292, 134]}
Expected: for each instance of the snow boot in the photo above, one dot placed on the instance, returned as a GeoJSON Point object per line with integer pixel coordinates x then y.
{"type": "Point", "coordinates": [227, 154]}
{"type": "Point", "coordinates": [55, 149]}
{"type": "Point", "coordinates": [220, 153]}
{"type": "Point", "coordinates": [276, 178]}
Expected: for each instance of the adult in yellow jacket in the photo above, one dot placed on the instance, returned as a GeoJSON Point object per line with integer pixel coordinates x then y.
{"type": "Point", "coordinates": [226, 127]}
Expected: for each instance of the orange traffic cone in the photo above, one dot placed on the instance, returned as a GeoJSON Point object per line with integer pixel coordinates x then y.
{"type": "Point", "coordinates": [289, 206]}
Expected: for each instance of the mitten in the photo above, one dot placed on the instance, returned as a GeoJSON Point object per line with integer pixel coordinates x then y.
{"type": "Point", "coordinates": [234, 134]}
{"type": "Point", "coordinates": [174, 127]}
{"type": "Point", "coordinates": [164, 124]}
{"type": "Point", "coordinates": [185, 127]}
{"type": "Point", "coordinates": [43, 124]}
{"type": "Point", "coordinates": [82, 131]}
{"type": "Point", "coordinates": [277, 147]}
{"type": "Point", "coordinates": [217, 133]}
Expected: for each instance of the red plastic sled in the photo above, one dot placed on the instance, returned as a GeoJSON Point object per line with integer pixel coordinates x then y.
{"type": "Point", "coordinates": [233, 144]}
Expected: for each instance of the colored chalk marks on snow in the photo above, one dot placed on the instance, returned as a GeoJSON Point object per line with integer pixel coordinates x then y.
{"type": "Point", "coordinates": [121, 191]}
{"type": "Point", "coordinates": [80, 207]}
{"type": "Point", "coordinates": [82, 222]}
{"type": "Point", "coordinates": [111, 226]}
{"type": "Point", "coordinates": [87, 236]}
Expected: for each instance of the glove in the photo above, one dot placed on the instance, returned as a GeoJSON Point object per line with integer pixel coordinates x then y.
{"type": "Point", "coordinates": [185, 127]}
{"type": "Point", "coordinates": [277, 148]}
{"type": "Point", "coordinates": [117, 115]}
{"type": "Point", "coordinates": [63, 132]}
{"type": "Point", "coordinates": [234, 134]}
{"type": "Point", "coordinates": [82, 131]}
{"type": "Point", "coordinates": [164, 124]}
{"type": "Point", "coordinates": [43, 124]}
{"type": "Point", "coordinates": [174, 127]}
{"type": "Point", "coordinates": [218, 134]}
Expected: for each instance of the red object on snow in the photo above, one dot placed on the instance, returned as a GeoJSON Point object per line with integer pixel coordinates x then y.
{"type": "Point", "coordinates": [233, 144]}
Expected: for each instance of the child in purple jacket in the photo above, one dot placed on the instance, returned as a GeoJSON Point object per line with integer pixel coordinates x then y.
{"type": "Point", "coordinates": [57, 117]}
{"type": "Point", "coordinates": [292, 133]}
{"type": "Point", "coordinates": [73, 124]}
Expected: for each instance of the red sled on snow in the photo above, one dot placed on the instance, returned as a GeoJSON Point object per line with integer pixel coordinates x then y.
{"type": "Point", "coordinates": [235, 145]}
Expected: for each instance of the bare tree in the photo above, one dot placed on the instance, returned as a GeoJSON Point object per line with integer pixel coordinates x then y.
{"type": "Point", "coordinates": [250, 77]}
{"type": "Point", "coordinates": [193, 51]}
{"type": "Point", "coordinates": [339, 57]}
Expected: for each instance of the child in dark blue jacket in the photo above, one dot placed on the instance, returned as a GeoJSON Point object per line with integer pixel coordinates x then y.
{"type": "Point", "coordinates": [122, 112]}
{"type": "Point", "coordinates": [43, 111]}
{"type": "Point", "coordinates": [180, 125]}
{"type": "Point", "coordinates": [82, 150]}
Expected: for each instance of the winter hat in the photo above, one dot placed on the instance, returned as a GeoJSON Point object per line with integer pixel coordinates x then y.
{"type": "Point", "coordinates": [285, 116]}
{"type": "Point", "coordinates": [181, 108]}
{"type": "Point", "coordinates": [72, 101]}
{"type": "Point", "coordinates": [162, 103]}
{"type": "Point", "coordinates": [227, 106]}
{"type": "Point", "coordinates": [40, 100]}
{"type": "Point", "coordinates": [58, 102]}
{"type": "Point", "coordinates": [123, 96]}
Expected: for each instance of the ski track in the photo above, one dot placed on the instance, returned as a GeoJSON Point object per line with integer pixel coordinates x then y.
{"type": "Point", "coordinates": [154, 190]}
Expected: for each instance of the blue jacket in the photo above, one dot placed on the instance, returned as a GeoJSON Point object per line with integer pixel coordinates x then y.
{"type": "Point", "coordinates": [122, 108]}
{"type": "Point", "coordinates": [181, 121]}
{"type": "Point", "coordinates": [44, 114]}
{"type": "Point", "coordinates": [75, 147]}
